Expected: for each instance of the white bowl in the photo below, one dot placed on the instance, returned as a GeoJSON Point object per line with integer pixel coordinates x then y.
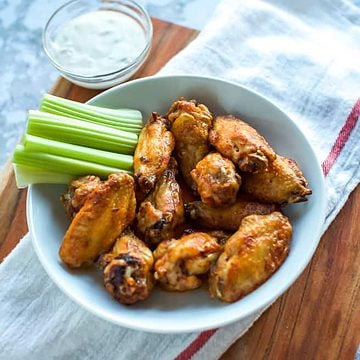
{"type": "Point", "coordinates": [191, 311]}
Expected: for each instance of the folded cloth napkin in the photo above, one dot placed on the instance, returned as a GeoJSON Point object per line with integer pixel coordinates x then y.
{"type": "Point", "coordinates": [303, 55]}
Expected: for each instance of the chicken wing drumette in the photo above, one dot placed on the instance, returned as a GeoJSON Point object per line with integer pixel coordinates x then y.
{"type": "Point", "coordinates": [127, 270]}
{"type": "Point", "coordinates": [241, 143]}
{"type": "Point", "coordinates": [191, 122]}
{"type": "Point", "coordinates": [216, 180]}
{"type": "Point", "coordinates": [163, 210]}
{"type": "Point", "coordinates": [152, 153]}
{"type": "Point", "coordinates": [250, 256]}
{"type": "Point", "coordinates": [78, 191]}
{"type": "Point", "coordinates": [226, 218]}
{"type": "Point", "coordinates": [106, 212]}
{"type": "Point", "coordinates": [281, 182]}
{"type": "Point", "coordinates": [179, 262]}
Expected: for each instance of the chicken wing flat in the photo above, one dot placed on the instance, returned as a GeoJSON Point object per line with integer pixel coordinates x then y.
{"type": "Point", "coordinates": [241, 143]}
{"type": "Point", "coordinates": [216, 180]}
{"type": "Point", "coordinates": [127, 270]}
{"type": "Point", "coordinates": [179, 262]}
{"type": "Point", "coordinates": [281, 182]}
{"type": "Point", "coordinates": [191, 122]}
{"type": "Point", "coordinates": [106, 212]}
{"type": "Point", "coordinates": [251, 256]}
{"type": "Point", "coordinates": [226, 218]}
{"type": "Point", "coordinates": [152, 153]}
{"type": "Point", "coordinates": [77, 192]}
{"type": "Point", "coordinates": [163, 210]}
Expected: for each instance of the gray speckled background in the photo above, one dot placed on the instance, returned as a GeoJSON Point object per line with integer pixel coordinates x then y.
{"type": "Point", "coordinates": [25, 71]}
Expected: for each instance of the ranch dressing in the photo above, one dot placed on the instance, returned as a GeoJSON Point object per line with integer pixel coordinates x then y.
{"type": "Point", "coordinates": [98, 43]}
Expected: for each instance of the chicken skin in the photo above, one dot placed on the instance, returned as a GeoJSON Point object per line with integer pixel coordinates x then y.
{"type": "Point", "coordinates": [106, 212]}
{"type": "Point", "coordinates": [251, 256]}
{"type": "Point", "coordinates": [216, 180]}
{"type": "Point", "coordinates": [179, 262]}
{"type": "Point", "coordinates": [191, 122]}
{"type": "Point", "coordinates": [226, 218]}
{"type": "Point", "coordinates": [152, 153]}
{"type": "Point", "coordinates": [127, 269]}
{"type": "Point", "coordinates": [241, 143]}
{"type": "Point", "coordinates": [77, 192]}
{"type": "Point", "coordinates": [163, 210]}
{"type": "Point", "coordinates": [281, 182]}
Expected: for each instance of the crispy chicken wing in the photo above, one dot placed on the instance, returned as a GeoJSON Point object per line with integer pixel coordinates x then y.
{"type": "Point", "coordinates": [241, 143]}
{"type": "Point", "coordinates": [106, 212]}
{"type": "Point", "coordinates": [281, 182]}
{"type": "Point", "coordinates": [251, 256]}
{"type": "Point", "coordinates": [127, 269]}
{"type": "Point", "coordinates": [179, 262]}
{"type": "Point", "coordinates": [152, 153]}
{"type": "Point", "coordinates": [77, 192]}
{"type": "Point", "coordinates": [216, 180]}
{"type": "Point", "coordinates": [191, 122]}
{"type": "Point", "coordinates": [163, 210]}
{"type": "Point", "coordinates": [226, 218]}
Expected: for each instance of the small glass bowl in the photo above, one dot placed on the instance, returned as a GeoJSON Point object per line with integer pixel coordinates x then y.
{"type": "Point", "coordinates": [76, 8]}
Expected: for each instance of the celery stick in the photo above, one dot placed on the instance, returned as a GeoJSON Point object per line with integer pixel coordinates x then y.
{"type": "Point", "coordinates": [79, 138]}
{"type": "Point", "coordinates": [79, 132]}
{"type": "Point", "coordinates": [80, 124]}
{"type": "Point", "coordinates": [64, 111]}
{"type": "Point", "coordinates": [38, 144]}
{"type": "Point", "coordinates": [26, 175]}
{"type": "Point", "coordinates": [128, 115]}
{"type": "Point", "coordinates": [61, 164]}
{"type": "Point", "coordinates": [117, 125]}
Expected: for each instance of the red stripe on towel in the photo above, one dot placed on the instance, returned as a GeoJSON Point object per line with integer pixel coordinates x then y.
{"type": "Point", "coordinates": [328, 163]}
{"type": "Point", "coordinates": [196, 345]}
{"type": "Point", "coordinates": [342, 138]}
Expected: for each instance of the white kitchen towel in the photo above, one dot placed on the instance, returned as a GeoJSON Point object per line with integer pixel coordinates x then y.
{"type": "Point", "coordinates": [304, 55]}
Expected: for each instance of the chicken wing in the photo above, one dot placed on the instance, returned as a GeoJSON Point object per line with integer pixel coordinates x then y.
{"type": "Point", "coordinates": [106, 212]}
{"type": "Point", "coordinates": [241, 143]}
{"type": "Point", "coordinates": [226, 218]}
{"type": "Point", "coordinates": [127, 269]}
{"type": "Point", "coordinates": [163, 210]}
{"type": "Point", "coordinates": [191, 122]}
{"type": "Point", "coordinates": [251, 256]}
{"type": "Point", "coordinates": [281, 182]}
{"type": "Point", "coordinates": [179, 262]}
{"type": "Point", "coordinates": [216, 180]}
{"type": "Point", "coordinates": [152, 153]}
{"type": "Point", "coordinates": [77, 192]}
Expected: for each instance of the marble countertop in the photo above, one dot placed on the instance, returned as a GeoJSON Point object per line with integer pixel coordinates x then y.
{"type": "Point", "coordinates": [25, 70]}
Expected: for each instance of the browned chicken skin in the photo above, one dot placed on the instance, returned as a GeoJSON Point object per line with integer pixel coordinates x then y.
{"type": "Point", "coordinates": [127, 269]}
{"type": "Point", "coordinates": [282, 182]}
{"type": "Point", "coordinates": [241, 143]}
{"type": "Point", "coordinates": [163, 210]}
{"type": "Point", "coordinates": [251, 256]}
{"type": "Point", "coordinates": [152, 153]}
{"type": "Point", "coordinates": [191, 122]}
{"type": "Point", "coordinates": [106, 212]}
{"type": "Point", "coordinates": [226, 218]}
{"type": "Point", "coordinates": [179, 262]}
{"type": "Point", "coordinates": [249, 240]}
{"type": "Point", "coordinates": [77, 192]}
{"type": "Point", "coordinates": [216, 180]}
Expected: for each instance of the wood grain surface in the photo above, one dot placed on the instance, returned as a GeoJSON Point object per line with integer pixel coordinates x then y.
{"type": "Point", "coordinates": [317, 318]}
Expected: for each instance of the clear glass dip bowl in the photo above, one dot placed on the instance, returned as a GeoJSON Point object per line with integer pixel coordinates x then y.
{"type": "Point", "coordinates": [75, 8]}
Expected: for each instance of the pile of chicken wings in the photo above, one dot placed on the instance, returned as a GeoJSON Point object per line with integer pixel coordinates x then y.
{"type": "Point", "coordinates": [203, 206]}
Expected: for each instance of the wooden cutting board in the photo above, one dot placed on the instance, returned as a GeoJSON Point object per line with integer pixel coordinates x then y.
{"type": "Point", "coordinates": [317, 318]}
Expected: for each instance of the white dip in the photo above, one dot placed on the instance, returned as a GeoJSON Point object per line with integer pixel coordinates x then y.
{"type": "Point", "coordinates": [98, 43]}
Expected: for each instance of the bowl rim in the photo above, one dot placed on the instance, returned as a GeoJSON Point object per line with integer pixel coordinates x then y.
{"type": "Point", "coordinates": [100, 77]}
{"type": "Point", "coordinates": [241, 315]}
